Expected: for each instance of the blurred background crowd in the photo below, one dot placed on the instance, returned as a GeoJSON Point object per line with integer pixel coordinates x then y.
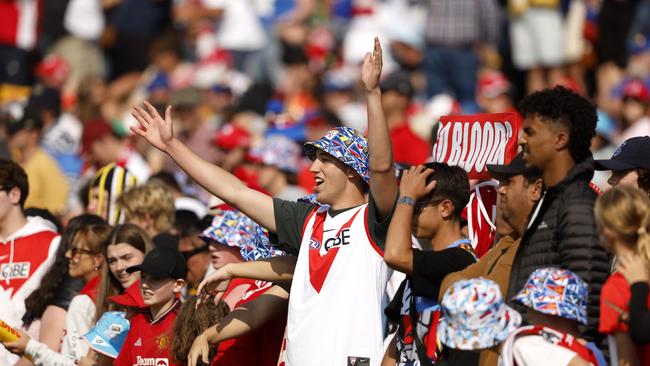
{"type": "Point", "coordinates": [250, 81]}
{"type": "Point", "coordinates": [238, 72]}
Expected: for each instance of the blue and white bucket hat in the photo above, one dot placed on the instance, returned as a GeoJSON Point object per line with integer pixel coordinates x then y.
{"type": "Point", "coordinates": [474, 316]}
{"type": "Point", "coordinates": [109, 334]}
{"type": "Point", "coordinates": [556, 291]}
{"type": "Point", "coordinates": [347, 145]}
{"type": "Point", "coordinates": [234, 229]}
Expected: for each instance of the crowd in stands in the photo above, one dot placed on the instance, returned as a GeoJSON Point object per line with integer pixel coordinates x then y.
{"type": "Point", "coordinates": [255, 182]}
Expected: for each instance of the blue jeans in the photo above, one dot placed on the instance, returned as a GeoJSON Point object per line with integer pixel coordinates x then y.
{"type": "Point", "coordinates": [452, 71]}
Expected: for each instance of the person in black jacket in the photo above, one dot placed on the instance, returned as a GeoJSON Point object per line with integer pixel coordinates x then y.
{"type": "Point", "coordinates": [558, 127]}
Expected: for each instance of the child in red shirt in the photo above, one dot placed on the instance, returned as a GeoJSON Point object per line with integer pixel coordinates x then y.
{"type": "Point", "coordinates": [623, 217]}
{"type": "Point", "coordinates": [149, 341]}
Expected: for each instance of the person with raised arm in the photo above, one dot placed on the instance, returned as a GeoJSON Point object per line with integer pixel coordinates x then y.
{"type": "Point", "coordinates": [335, 307]}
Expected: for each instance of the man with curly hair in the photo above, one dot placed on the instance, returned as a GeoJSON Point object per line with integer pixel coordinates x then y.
{"type": "Point", "coordinates": [561, 232]}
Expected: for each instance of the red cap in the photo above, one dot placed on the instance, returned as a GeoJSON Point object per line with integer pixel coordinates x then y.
{"type": "Point", "coordinates": [55, 67]}
{"type": "Point", "coordinates": [231, 136]}
{"type": "Point", "coordinates": [636, 89]}
{"type": "Point", "coordinates": [491, 84]}
{"type": "Point", "coordinates": [93, 131]}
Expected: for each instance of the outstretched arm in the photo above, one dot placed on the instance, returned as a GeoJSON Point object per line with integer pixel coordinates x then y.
{"type": "Point", "coordinates": [276, 269]}
{"type": "Point", "coordinates": [246, 318]}
{"type": "Point", "coordinates": [398, 253]}
{"type": "Point", "coordinates": [383, 185]}
{"type": "Point", "coordinates": [158, 132]}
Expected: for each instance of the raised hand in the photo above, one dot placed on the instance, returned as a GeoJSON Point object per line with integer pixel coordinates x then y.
{"type": "Point", "coordinates": [413, 183]}
{"type": "Point", "coordinates": [215, 284]}
{"type": "Point", "coordinates": [156, 130]}
{"type": "Point", "coordinates": [371, 69]}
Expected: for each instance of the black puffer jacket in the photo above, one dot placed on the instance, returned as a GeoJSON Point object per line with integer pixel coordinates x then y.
{"type": "Point", "coordinates": [563, 234]}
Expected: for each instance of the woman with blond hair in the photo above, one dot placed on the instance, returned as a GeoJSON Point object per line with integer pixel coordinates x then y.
{"type": "Point", "coordinates": [623, 220]}
{"type": "Point", "coordinates": [150, 206]}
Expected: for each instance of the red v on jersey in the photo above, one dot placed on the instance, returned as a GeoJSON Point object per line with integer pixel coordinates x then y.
{"type": "Point", "coordinates": [319, 266]}
{"type": "Point", "coordinates": [17, 267]}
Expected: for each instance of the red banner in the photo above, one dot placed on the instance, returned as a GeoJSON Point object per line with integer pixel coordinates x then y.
{"type": "Point", "coordinates": [474, 141]}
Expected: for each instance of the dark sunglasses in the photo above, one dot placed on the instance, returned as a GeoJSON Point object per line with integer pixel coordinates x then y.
{"type": "Point", "coordinates": [190, 253]}
{"type": "Point", "coordinates": [74, 251]}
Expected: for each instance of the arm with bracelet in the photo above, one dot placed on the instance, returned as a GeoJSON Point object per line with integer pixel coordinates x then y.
{"type": "Point", "coordinates": [398, 253]}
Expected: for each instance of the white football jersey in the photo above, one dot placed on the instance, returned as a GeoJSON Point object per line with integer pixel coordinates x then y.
{"type": "Point", "coordinates": [337, 296]}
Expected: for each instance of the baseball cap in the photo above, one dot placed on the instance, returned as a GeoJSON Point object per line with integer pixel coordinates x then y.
{"type": "Point", "coordinates": [345, 144]}
{"type": "Point", "coordinates": [30, 120]}
{"type": "Point", "coordinates": [633, 153]}
{"type": "Point", "coordinates": [232, 136]}
{"type": "Point", "coordinates": [93, 131]}
{"type": "Point", "coordinates": [55, 67]}
{"type": "Point", "coordinates": [167, 241]}
{"type": "Point", "coordinates": [515, 167]}
{"type": "Point", "coordinates": [636, 89]}
{"type": "Point", "coordinates": [492, 84]}
{"type": "Point", "coordinates": [398, 81]}
{"type": "Point", "coordinates": [474, 315]}
{"type": "Point", "coordinates": [162, 262]}
{"type": "Point", "coordinates": [557, 292]}
{"type": "Point", "coordinates": [109, 334]}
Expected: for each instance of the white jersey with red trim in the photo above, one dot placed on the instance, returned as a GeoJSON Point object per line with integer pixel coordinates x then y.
{"type": "Point", "coordinates": [337, 294]}
{"type": "Point", "coordinates": [25, 257]}
{"type": "Point", "coordinates": [480, 213]}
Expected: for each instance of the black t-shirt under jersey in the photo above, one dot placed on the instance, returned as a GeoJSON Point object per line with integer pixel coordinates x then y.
{"type": "Point", "coordinates": [290, 218]}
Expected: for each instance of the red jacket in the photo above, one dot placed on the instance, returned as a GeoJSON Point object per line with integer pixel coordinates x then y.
{"type": "Point", "coordinates": [149, 341]}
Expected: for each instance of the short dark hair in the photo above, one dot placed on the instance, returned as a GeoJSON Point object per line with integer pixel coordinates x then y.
{"type": "Point", "coordinates": [561, 105]}
{"type": "Point", "coordinates": [11, 176]}
{"type": "Point", "coordinates": [452, 183]}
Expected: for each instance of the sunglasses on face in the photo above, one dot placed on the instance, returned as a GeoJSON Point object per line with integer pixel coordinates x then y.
{"type": "Point", "coordinates": [74, 251]}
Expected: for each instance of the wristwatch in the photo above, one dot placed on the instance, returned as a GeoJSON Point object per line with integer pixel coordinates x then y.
{"type": "Point", "coordinates": [406, 200]}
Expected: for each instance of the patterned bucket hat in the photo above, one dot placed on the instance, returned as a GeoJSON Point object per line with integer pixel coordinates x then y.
{"type": "Point", "coordinates": [234, 229]}
{"type": "Point", "coordinates": [347, 145]}
{"type": "Point", "coordinates": [474, 316]}
{"type": "Point", "coordinates": [556, 291]}
{"type": "Point", "coordinates": [278, 151]}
